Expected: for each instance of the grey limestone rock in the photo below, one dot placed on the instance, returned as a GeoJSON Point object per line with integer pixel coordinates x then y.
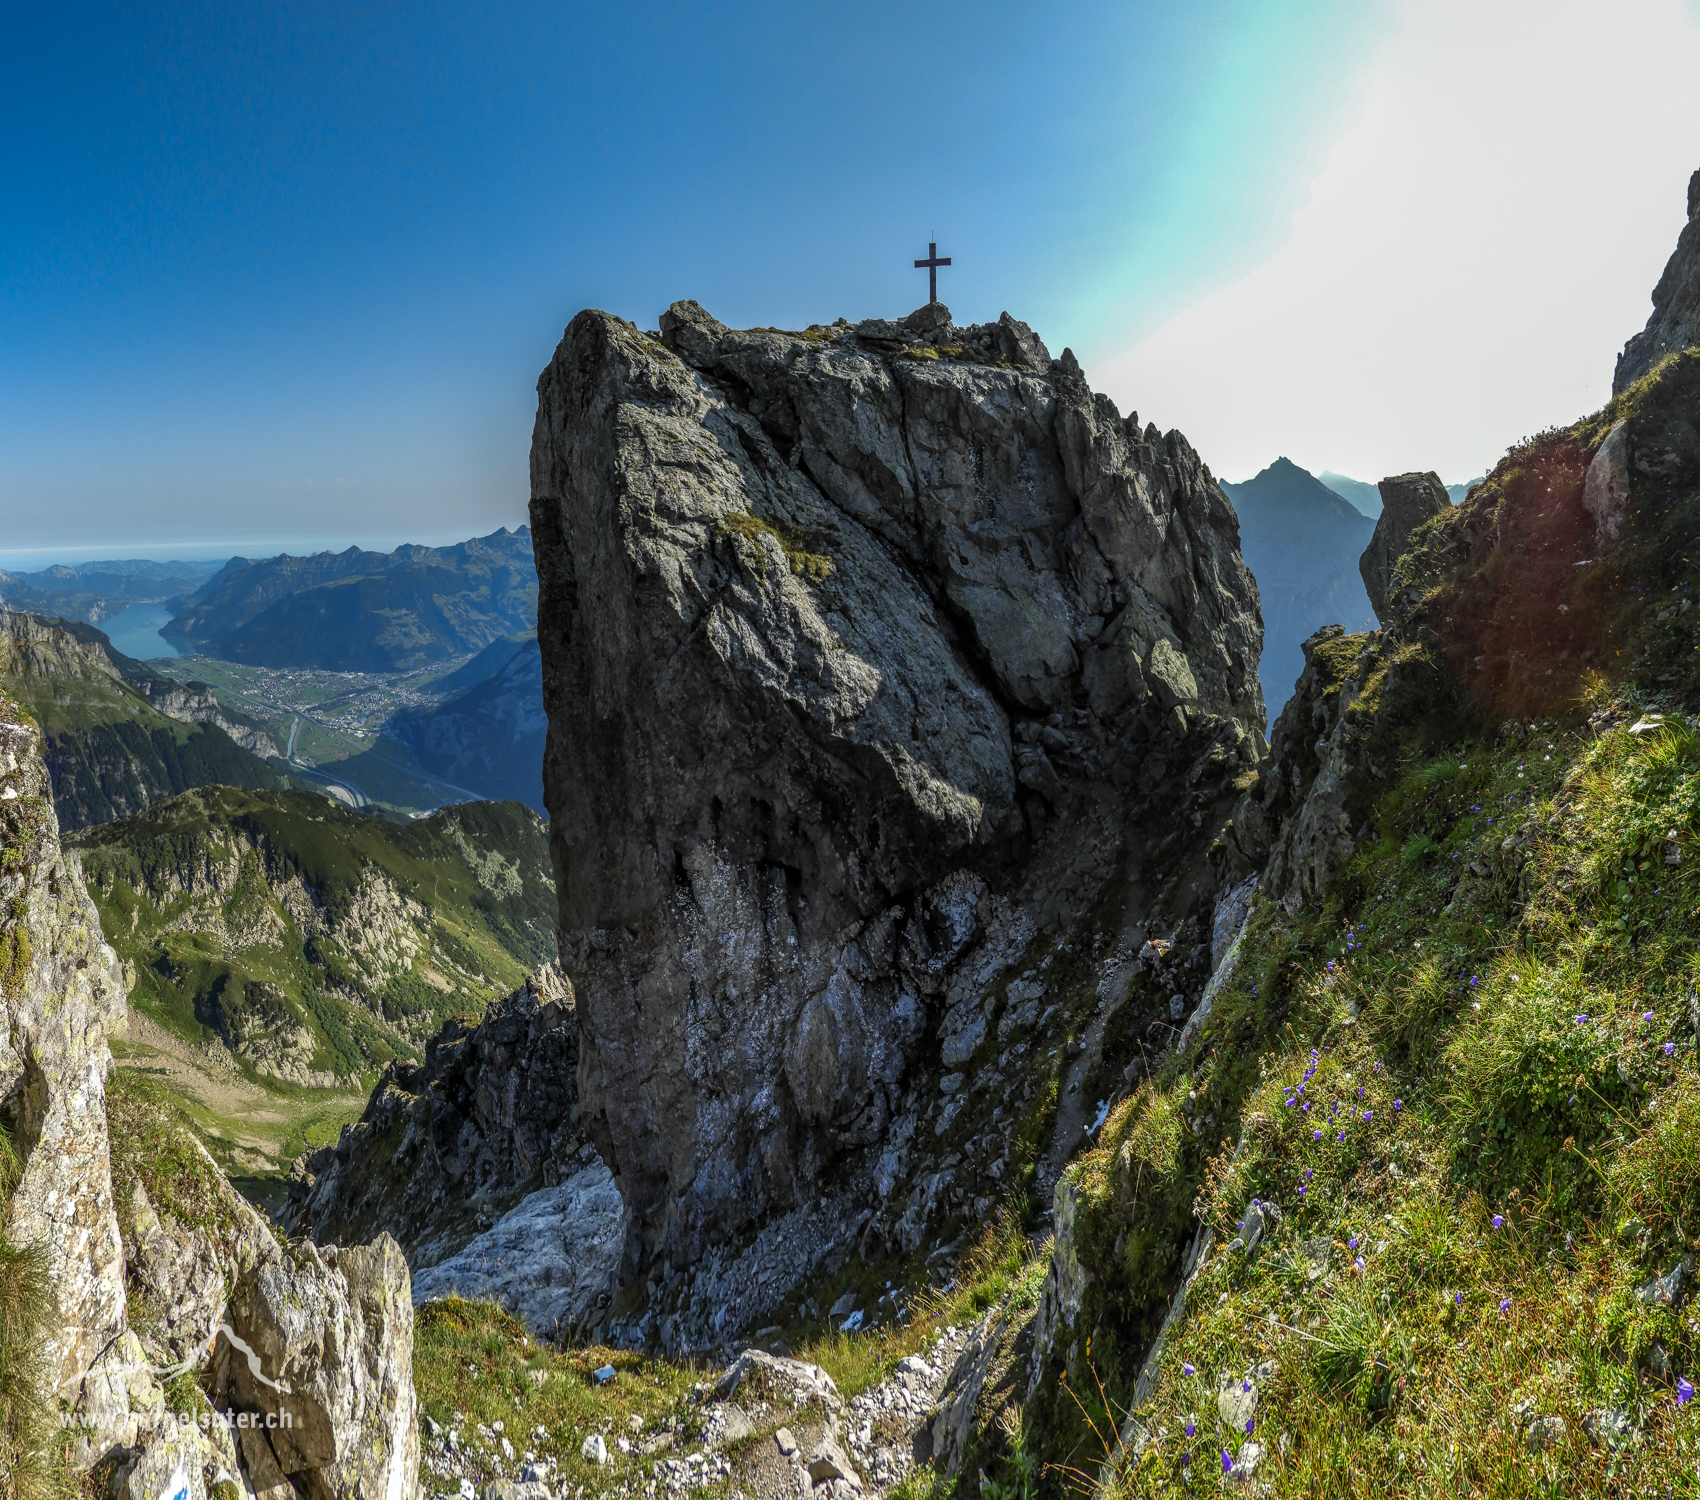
{"type": "Point", "coordinates": [447, 1147]}
{"type": "Point", "coordinates": [1675, 320]}
{"type": "Point", "coordinates": [793, 1383]}
{"type": "Point", "coordinates": [331, 1334]}
{"type": "Point", "coordinates": [861, 647]}
{"type": "Point", "coordinates": [340, 1327]}
{"type": "Point", "coordinates": [1605, 487]}
{"type": "Point", "coordinates": [61, 993]}
{"type": "Point", "coordinates": [547, 1261]}
{"type": "Point", "coordinates": [1407, 500]}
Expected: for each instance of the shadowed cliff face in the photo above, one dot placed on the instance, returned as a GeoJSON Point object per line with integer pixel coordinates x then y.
{"type": "Point", "coordinates": [868, 653]}
{"type": "Point", "coordinates": [1675, 321]}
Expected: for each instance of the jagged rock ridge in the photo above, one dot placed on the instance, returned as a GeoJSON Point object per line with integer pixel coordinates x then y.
{"type": "Point", "coordinates": [1675, 320]}
{"type": "Point", "coordinates": [446, 1146]}
{"type": "Point", "coordinates": [868, 652]}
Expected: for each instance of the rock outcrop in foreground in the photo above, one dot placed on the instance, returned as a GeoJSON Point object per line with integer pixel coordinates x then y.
{"type": "Point", "coordinates": [448, 1146]}
{"type": "Point", "coordinates": [156, 1265]}
{"type": "Point", "coordinates": [869, 654]}
{"type": "Point", "coordinates": [1675, 323]}
{"type": "Point", "coordinates": [1407, 500]}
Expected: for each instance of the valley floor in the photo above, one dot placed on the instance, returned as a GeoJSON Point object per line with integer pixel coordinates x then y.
{"type": "Point", "coordinates": [254, 1130]}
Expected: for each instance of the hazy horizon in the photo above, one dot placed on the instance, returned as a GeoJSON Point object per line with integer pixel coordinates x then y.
{"type": "Point", "coordinates": [287, 278]}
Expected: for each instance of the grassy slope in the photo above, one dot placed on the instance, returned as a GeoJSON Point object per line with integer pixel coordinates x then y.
{"type": "Point", "coordinates": [1506, 1014]}
{"type": "Point", "coordinates": [482, 940]}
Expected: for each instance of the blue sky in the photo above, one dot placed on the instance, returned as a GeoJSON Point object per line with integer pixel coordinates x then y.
{"type": "Point", "coordinates": [286, 275]}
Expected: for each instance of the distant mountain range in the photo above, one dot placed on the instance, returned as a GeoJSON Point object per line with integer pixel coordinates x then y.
{"type": "Point", "coordinates": [92, 591]}
{"type": "Point", "coordinates": [1367, 498]}
{"type": "Point", "coordinates": [364, 611]}
{"type": "Point", "coordinates": [1302, 542]}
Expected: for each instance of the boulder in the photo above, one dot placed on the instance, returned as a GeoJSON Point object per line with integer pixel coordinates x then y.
{"type": "Point", "coordinates": [793, 1383]}
{"type": "Point", "coordinates": [1407, 500]}
{"type": "Point", "coordinates": [326, 1357]}
{"type": "Point", "coordinates": [1605, 487]}
{"type": "Point", "coordinates": [862, 648]}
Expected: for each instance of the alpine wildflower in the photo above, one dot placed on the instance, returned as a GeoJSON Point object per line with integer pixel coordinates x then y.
{"type": "Point", "coordinates": [1684, 1391]}
{"type": "Point", "coordinates": [1504, 1305]}
{"type": "Point", "coordinates": [1670, 1047]}
{"type": "Point", "coordinates": [1187, 1369]}
{"type": "Point", "coordinates": [1499, 1221]}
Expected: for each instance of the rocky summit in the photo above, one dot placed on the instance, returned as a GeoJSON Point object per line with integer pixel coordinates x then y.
{"type": "Point", "coordinates": [870, 653]}
{"type": "Point", "coordinates": [1675, 321]}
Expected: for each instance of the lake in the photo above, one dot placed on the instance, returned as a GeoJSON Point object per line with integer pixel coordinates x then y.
{"type": "Point", "coordinates": [135, 631]}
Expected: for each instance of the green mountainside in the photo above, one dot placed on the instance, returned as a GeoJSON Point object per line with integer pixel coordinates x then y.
{"type": "Point", "coordinates": [314, 943]}
{"type": "Point", "coordinates": [490, 736]}
{"type": "Point", "coordinates": [109, 750]}
{"type": "Point", "coordinates": [365, 611]}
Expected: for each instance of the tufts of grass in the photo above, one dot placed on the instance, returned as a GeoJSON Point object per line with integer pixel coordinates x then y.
{"type": "Point", "coordinates": [1476, 1106]}
{"type": "Point", "coordinates": [804, 550]}
{"type": "Point", "coordinates": [30, 1469]}
{"type": "Point", "coordinates": [475, 1365]}
{"type": "Point", "coordinates": [153, 1143]}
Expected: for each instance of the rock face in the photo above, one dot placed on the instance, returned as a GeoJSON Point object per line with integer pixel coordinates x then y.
{"type": "Point", "coordinates": [865, 651]}
{"type": "Point", "coordinates": [1675, 323]}
{"type": "Point", "coordinates": [141, 1293]}
{"type": "Point", "coordinates": [1407, 500]}
{"type": "Point", "coordinates": [61, 992]}
{"type": "Point", "coordinates": [195, 703]}
{"type": "Point", "coordinates": [446, 1147]}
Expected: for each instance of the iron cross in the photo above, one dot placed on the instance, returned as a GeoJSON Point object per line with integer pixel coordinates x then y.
{"type": "Point", "coordinates": [933, 261]}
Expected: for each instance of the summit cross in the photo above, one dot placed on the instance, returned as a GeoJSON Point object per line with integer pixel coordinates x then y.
{"type": "Point", "coordinates": [933, 261]}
